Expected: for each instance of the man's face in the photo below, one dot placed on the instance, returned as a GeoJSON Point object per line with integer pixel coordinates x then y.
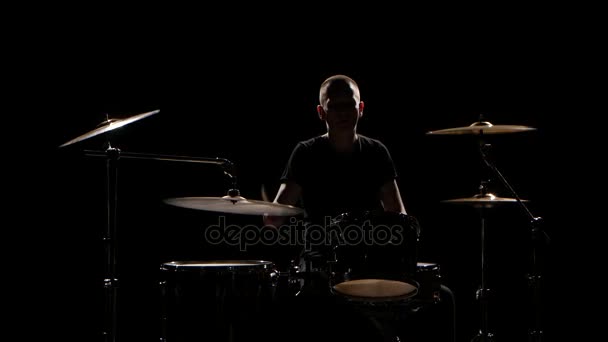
{"type": "Point", "coordinates": [342, 108]}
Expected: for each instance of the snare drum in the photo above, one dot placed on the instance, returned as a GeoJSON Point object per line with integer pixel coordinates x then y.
{"type": "Point", "coordinates": [214, 299]}
{"type": "Point", "coordinates": [375, 257]}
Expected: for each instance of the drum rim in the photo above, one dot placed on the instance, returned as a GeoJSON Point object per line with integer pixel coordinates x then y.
{"type": "Point", "coordinates": [216, 264]}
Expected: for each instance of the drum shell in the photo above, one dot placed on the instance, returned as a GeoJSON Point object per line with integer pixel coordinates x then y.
{"type": "Point", "coordinates": [428, 275]}
{"type": "Point", "coordinates": [215, 298]}
{"type": "Point", "coordinates": [392, 258]}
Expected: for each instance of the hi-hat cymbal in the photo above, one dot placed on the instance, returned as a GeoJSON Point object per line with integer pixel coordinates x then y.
{"type": "Point", "coordinates": [234, 205]}
{"type": "Point", "coordinates": [109, 125]}
{"type": "Point", "coordinates": [482, 127]}
{"type": "Point", "coordinates": [483, 201]}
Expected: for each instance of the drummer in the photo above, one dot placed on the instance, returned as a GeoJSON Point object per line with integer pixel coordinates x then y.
{"type": "Point", "coordinates": [338, 172]}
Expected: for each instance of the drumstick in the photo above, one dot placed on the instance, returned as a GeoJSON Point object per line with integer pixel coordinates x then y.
{"type": "Point", "coordinates": [264, 195]}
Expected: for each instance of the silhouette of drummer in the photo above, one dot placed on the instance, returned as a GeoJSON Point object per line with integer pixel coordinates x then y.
{"type": "Point", "coordinates": [339, 172]}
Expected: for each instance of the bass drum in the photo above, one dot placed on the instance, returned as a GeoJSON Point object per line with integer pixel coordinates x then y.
{"type": "Point", "coordinates": [375, 257]}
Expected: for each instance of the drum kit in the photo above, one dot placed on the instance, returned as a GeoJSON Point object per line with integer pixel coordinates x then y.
{"type": "Point", "coordinates": [239, 289]}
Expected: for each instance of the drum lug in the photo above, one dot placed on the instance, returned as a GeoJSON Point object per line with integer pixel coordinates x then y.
{"type": "Point", "coordinates": [481, 294]}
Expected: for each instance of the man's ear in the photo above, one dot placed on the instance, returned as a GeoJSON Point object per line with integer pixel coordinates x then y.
{"type": "Point", "coordinates": [361, 106]}
{"type": "Point", "coordinates": [321, 112]}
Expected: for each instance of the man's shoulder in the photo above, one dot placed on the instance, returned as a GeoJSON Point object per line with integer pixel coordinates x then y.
{"type": "Point", "coordinates": [314, 141]}
{"type": "Point", "coordinates": [367, 141]}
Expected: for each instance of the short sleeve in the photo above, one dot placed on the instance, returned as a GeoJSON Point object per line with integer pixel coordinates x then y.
{"type": "Point", "coordinates": [386, 169]}
{"type": "Point", "coordinates": [294, 170]}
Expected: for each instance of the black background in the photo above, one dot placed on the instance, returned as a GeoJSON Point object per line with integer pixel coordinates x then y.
{"type": "Point", "coordinates": [250, 100]}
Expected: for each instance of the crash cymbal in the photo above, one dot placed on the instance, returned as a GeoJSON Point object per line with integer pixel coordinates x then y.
{"type": "Point", "coordinates": [482, 127]}
{"type": "Point", "coordinates": [109, 125]}
{"type": "Point", "coordinates": [234, 205]}
{"type": "Point", "coordinates": [483, 201]}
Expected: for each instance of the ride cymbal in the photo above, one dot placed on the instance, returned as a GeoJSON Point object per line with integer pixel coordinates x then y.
{"type": "Point", "coordinates": [109, 125]}
{"type": "Point", "coordinates": [482, 127]}
{"type": "Point", "coordinates": [483, 201]}
{"type": "Point", "coordinates": [234, 205]}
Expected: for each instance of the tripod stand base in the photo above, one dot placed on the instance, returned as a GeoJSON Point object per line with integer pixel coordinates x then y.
{"type": "Point", "coordinates": [483, 337]}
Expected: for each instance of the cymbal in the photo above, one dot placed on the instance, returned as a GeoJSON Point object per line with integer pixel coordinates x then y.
{"type": "Point", "coordinates": [483, 201]}
{"type": "Point", "coordinates": [109, 125]}
{"type": "Point", "coordinates": [234, 205]}
{"type": "Point", "coordinates": [482, 127]}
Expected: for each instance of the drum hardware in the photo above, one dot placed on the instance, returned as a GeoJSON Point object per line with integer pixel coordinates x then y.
{"type": "Point", "coordinates": [112, 155]}
{"type": "Point", "coordinates": [538, 236]}
{"type": "Point", "coordinates": [485, 200]}
{"type": "Point", "coordinates": [482, 202]}
{"type": "Point", "coordinates": [428, 275]}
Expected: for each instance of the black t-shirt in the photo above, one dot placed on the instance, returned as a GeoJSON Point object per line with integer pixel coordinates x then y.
{"type": "Point", "coordinates": [334, 183]}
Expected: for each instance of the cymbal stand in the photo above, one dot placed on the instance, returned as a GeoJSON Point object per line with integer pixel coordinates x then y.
{"type": "Point", "coordinates": [227, 165]}
{"type": "Point", "coordinates": [538, 237]}
{"type": "Point", "coordinates": [482, 294]}
{"type": "Point", "coordinates": [110, 282]}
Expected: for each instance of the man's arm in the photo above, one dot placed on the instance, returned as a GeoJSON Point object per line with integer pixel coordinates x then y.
{"type": "Point", "coordinates": [391, 197]}
{"type": "Point", "coordinates": [289, 194]}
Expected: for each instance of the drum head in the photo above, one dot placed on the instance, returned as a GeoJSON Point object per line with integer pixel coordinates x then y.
{"type": "Point", "coordinates": [376, 289]}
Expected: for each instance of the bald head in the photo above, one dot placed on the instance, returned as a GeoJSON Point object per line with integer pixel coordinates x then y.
{"type": "Point", "coordinates": [338, 86]}
{"type": "Point", "coordinates": [340, 105]}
